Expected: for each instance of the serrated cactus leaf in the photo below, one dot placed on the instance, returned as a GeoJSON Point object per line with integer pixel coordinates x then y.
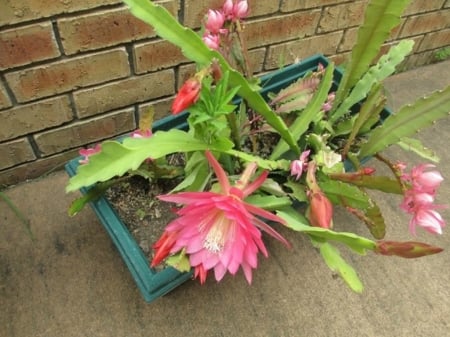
{"type": "Point", "coordinates": [380, 18]}
{"type": "Point", "coordinates": [383, 69]}
{"type": "Point", "coordinates": [407, 121]}
{"type": "Point", "coordinates": [416, 146]}
{"type": "Point", "coordinates": [115, 159]}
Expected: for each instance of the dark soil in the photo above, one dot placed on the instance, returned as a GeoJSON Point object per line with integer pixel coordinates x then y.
{"type": "Point", "coordinates": [145, 216]}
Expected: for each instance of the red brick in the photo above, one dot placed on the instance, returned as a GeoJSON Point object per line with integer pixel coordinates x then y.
{"type": "Point", "coordinates": [295, 51]}
{"type": "Point", "coordinates": [425, 23]}
{"type": "Point", "coordinates": [24, 45]}
{"type": "Point", "coordinates": [281, 28]}
{"type": "Point", "coordinates": [5, 101]}
{"type": "Point", "coordinates": [155, 55]}
{"type": "Point", "coordinates": [125, 92]}
{"type": "Point", "coordinates": [435, 40]}
{"type": "Point", "coordinates": [66, 75]}
{"type": "Point", "coordinates": [292, 5]}
{"type": "Point", "coordinates": [85, 132]}
{"type": "Point", "coordinates": [342, 16]}
{"type": "Point", "coordinates": [105, 28]}
{"type": "Point", "coordinates": [15, 152]}
{"type": "Point", "coordinates": [14, 11]}
{"type": "Point", "coordinates": [420, 6]}
{"type": "Point", "coordinates": [29, 118]}
{"type": "Point", "coordinates": [35, 169]}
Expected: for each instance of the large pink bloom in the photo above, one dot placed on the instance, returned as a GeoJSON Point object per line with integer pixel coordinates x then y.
{"type": "Point", "coordinates": [219, 230]}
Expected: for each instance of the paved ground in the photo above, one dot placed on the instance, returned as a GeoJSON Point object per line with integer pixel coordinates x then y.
{"type": "Point", "coordinates": [72, 282]}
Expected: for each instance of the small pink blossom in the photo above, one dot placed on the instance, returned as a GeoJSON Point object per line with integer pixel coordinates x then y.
{"type": "Point", "coordinates": [328, 105]}
{"type": "Point", "coordinates": [425, 181]}
{"type": "Point", "coordinates": [214, 22]}
{"type": "Point", "coordinates": [240, 10]}
{"type": "Point", "coordinates": [235, 11]}
{"type": "Point", "coordinates": [298, 166]}
{"type": "Point", "coordinates": [219, 230]}
{"type": "Point", "coordinates": [419, 197]}
{"type": "Point", "coordinates": [211, 40]}
{"type": "Point", "coordinates": [86, 153]}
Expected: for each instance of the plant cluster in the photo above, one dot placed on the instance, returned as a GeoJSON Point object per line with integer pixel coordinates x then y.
{"type": "Point", "coordinates": [291, 158]}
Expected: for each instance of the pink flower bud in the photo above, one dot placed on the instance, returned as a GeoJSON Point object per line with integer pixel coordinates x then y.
{"type": "Point", "coordinates": [214, 22]}
{"type": "Point", "coordinates": [320, 210]}
{"type": "Point", "coordinates": [240, 10]}
{"type": "Point", "coordinates": [228, 9]}
{"type": "Point", "coordinates": [212, 41]}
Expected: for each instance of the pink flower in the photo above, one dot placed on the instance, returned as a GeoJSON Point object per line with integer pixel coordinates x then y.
{"type": "Point", "coordinates": [219, 230]}
{"type": "Point", "coordinates": [425, 181]}
{"type": "Point", "coordinates": [418, 199]}
{"type": "Point", "coordinates": [214, 22]}
{"type": "Point", "coordinates": [211, 40]}
{"type": "Point", "coordinates": [299, 166]}
{"type": "Point", "coordinates": [86, 153]}
{"type": "Point", "coordinates": [188, 95]}
{"type": "Point", "coordinates": [426, 217]}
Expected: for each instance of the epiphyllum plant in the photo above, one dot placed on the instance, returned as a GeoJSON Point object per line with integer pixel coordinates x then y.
{"type": "Point", "coordinates": [316, 137]}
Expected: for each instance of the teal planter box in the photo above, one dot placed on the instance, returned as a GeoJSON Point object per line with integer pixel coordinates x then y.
{"type": "Point", "coordinates": [154, 284]}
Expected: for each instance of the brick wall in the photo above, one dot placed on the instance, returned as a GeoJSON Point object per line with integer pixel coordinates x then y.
{"type": "Point", "coordinates": [75, 72]}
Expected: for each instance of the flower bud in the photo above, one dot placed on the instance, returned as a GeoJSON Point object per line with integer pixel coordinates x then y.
{"type": "Point", "coordinates": [214, 21]}
{"type": "Point", "coordinates": [240, 10]}
{"type": "Point", "coordinates": [320, 210]}
{"type": "Point", "coordinates": [188, 95]}
{"type": "Point", "coordinates": [212, 41]}
{"type": "Point", "coordinates": [410, 249]}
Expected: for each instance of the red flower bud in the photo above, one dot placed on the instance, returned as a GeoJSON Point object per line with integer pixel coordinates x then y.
{"type": "Point", "coordinates": [320, 210]}
{"type": "Point", "coordinates": [188, 95]}
{"type": "Point", "coordinates": [409, 249]}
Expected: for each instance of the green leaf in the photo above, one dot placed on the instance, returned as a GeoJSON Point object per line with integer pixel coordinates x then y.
{"type": "Point", "coordinates": [416, 146]}
{"type": "Point", "coordinates": [407, 121]}
{"type": "Point", "coordinates": [302, 122]}
{"type": "Point", "coordinates": [192, 46]}
{"type": "Point", "coordinates": [262, 163]}
{"type": "Point", "coordinates": [383, 69]}
{"type": "Point", "coordinates": [341, 193]}
{"type": "Point", "coordinates": [268, 202]}
{"type": "Point", "coordinates": [381, 183]}
{"type": "Point", "coordinates": [381, 16]}
{"type": "Point", "coordinates": [179, 261]}
{"type": "Point", "coordinates": [337, 264]}
{"type": "Point", "coordinates": [353, 241]}
{"type": "Point", "coordinates": [298, 190]}
{"type": "Point", "coordinates": [19, 214]}
{"type": "Point", "coordinates": [115, 158]}
{"type": "Point", "coordinates": [93, 194]}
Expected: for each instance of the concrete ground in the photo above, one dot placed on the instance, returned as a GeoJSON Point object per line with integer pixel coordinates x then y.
{"type": "Point", "coordinates": [71, 281]}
